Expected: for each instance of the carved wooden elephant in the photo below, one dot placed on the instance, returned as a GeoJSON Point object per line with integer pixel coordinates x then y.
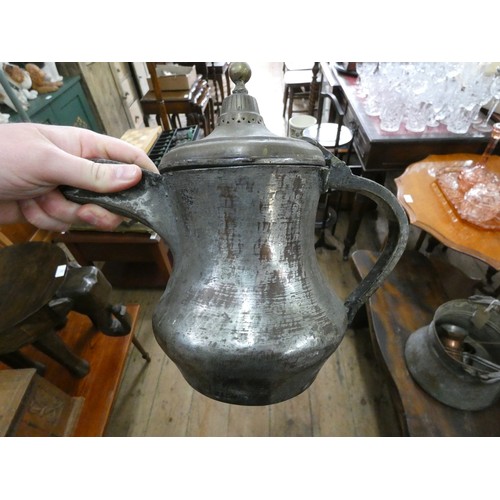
{"type": "Point", "coordinates": [38, 288]}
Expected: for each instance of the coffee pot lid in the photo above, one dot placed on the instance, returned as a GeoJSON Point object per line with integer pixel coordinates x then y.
{"type": "Point", "coordinates": [240, 137]}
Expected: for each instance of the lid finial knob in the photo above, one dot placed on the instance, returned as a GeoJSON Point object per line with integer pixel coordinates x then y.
{"type": "Point", "coordinates": [240, 73]}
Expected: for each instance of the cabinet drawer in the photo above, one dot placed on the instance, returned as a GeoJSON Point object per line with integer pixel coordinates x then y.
{"type": "Point", "coordinates": [136, 114]}
{"type": "Point", "coordinates": [121, 70]}
{"type": "Point", "coordinates": [142, 74]}
{"type": "Point", "coordinates": [127, 91]}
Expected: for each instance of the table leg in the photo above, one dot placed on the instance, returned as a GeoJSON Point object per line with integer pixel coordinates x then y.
{"type": "Point", "coordinates": [358, 208]}
{"type": "Point", "coordinates": [138, 346]}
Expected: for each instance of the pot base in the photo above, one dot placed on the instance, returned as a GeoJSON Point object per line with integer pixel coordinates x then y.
{"type": "Point", "coordinates": [251, 392]}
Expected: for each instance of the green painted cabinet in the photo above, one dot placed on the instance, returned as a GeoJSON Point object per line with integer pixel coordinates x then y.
{"type": "Point", "coordinates": [67, 106]}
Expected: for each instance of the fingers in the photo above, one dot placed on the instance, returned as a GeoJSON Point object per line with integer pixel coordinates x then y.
{"type": "Point", "coordinates": [34, 214]}
{"type": "Point", "coordinates": [88, 144]}
{"type": "Point", "coordinates": [87, 174]}
{"type": "Point", "coordinates": [98, 217]}
{"type": "Point", "coordinates": [54, 213]}
{"type": "Point", "coordinates": [116, 149]}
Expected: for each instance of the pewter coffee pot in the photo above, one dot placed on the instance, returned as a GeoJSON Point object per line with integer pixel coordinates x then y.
{"type": "Point", "coordinates": [247, 315]}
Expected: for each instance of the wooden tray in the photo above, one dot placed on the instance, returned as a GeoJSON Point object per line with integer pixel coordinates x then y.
{"type": "Point", "coordinates": [429, 209]}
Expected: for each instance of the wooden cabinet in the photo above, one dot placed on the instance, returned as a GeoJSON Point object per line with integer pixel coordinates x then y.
{"type": "Point", "coordinates": [128, 91]}
{"type": "Point", "coordinates": [112, 91]}
{"type": "Point", "coordinates": [67, 106]}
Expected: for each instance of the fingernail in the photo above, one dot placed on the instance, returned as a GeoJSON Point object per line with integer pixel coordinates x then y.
{"type": "Point", "coordinates": [126, 172]}
{"type": "Point", "coordinates": [99, 217]}
{"type": "Point", "coordinates": [91, 217]}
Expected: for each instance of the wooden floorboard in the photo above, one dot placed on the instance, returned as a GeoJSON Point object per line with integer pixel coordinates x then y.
{"type": "Point", "coordinates": [248, 421]}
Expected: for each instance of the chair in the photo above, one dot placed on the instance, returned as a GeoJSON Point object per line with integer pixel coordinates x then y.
{"type": "Point", "coordinates": [217, 72]}
{"type": "Point", "coordinates": [337, 138]}
{"type": "Point", "coordinates": [332, 134]}
{"type": "Point", "coordinates": [160, 103]}
{"type": "Point", "coordinates": [300, 84]}
{"type": "Point", "coordinates": [196, 104]}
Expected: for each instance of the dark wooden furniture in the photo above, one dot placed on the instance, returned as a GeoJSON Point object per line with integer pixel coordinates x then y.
{"type": "Point", "coordinates": [38, 288]}
{"type": "Point", "coordinates": [132, 259]}
{"type": "Point", "coordinates": [405, 302]}
{"type": "Point", "coordinates": [196, 104]}
{"type": "Point", "coordinates": [335, 137]}
{"type": "Point", "coordinates": [158, 100]}
{"type": "Point", "coordinates": [380, 152]}
{"type": "Point", "coordinates": [215, 72]}
{"type": "Point", "coordinates": [38, 326]}
{"type": "Point", "coordinates": [107, 357]}
{"type": "Point", "coordinates": [218, 72]}
{"type": "Point", "coordinates": [31, 275]}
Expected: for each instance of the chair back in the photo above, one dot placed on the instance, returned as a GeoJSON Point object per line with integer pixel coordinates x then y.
{"type": "Point", "coordinates": [162, 109]}
{"type": "Point", "coordinates": [340, 143]}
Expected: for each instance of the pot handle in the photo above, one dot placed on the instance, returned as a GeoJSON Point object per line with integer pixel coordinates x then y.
{"type": "Point", "coordinates": [139, 202]}
{"type": "Point", "coordinates": [341, 178]}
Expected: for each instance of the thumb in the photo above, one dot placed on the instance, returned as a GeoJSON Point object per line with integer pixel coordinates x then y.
{"type": "Point", "coordinates": [95, 175]}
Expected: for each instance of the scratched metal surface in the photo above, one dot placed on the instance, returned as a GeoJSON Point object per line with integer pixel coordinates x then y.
{"type": "Point", "coordinates": [247, 315]}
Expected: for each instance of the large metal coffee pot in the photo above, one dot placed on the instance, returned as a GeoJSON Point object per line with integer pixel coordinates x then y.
{"type": "Point", "coordinates": [247, 315]}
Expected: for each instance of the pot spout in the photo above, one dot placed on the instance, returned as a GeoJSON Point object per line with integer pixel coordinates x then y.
{"type": "Point", "coordinates": [146, 202]}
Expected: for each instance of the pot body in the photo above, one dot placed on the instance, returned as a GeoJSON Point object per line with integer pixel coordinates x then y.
{"type": "Point", "coordinates": [247, 315]}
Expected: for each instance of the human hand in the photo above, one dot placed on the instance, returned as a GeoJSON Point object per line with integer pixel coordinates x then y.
{"type": "Point", "coordinates": [35, 159]}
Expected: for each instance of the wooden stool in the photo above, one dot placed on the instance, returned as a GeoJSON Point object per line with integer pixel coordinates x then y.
{"type": "Point", "coordinates": [300, 84]}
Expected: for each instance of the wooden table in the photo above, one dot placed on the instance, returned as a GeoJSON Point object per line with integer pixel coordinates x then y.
{"type": "Point", "coordinates": [380, 152]}
{"type": "Point", "coordinates": [131, 259]}
{"type": "Point", "coordinates": [407, 301]}
{"type": "Point", "coordinates": [429, 209]}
